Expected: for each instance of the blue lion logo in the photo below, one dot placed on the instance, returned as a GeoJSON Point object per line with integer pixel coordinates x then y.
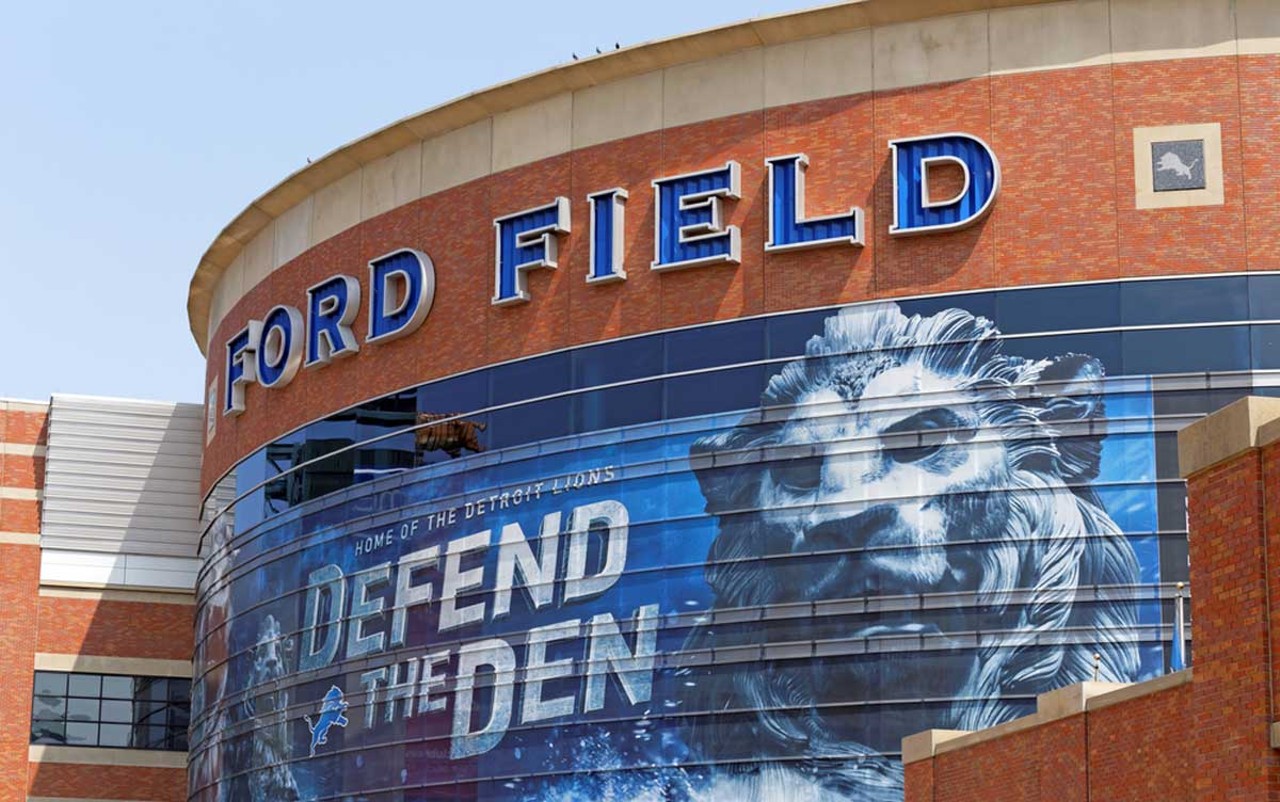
{"type": "Point", "coordinates": [331, 710]}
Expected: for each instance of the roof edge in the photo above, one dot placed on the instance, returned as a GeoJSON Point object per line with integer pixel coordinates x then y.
{"type": "Point", "coordinates": [565, 77]}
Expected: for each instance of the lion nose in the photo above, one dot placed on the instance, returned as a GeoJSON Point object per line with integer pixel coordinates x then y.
{"type": "Point", "coordinates": [852, 532]}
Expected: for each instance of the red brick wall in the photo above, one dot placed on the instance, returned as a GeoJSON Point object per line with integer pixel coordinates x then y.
{"type": "Point", "coordinates": [32, 623]}
{"type": "Point", "coordinates": [1231, 708]}
{"type": "Point", "coordinates": [115, 628]}
{"type": "Point", "coordinates": [1140, 750]}
{"type": "Point", "coordinates": [18, 593]}
{"type": "Point", "coordinates": [77, 781]}
{"type": "Point", "coordinates": [1132, 751]}
{"type": "Point", "coordinates": [1066, 213]}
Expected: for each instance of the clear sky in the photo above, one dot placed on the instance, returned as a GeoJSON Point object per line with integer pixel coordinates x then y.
{"type": "Point", "coordinates": [132, 132]}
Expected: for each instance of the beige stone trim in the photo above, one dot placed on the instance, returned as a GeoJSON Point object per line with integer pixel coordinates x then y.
{"type": "Point", "coordinates": [113, 594]}
{"type": "Point", "coordinates": [1051, 706]}
{"type": "Point", "coordinates": [20, 538]}
{"type": "Point", "coordinates": [96, 664]}
{"type": "Point", "coordinates": [1230, 431]}
{"type": "Point", "coordinates": [22, 405]}
{"type": "Point", "coordinates": [1145, 195]}
{"type": "Point", "coordinates": [808, 55]}
{"type": "Point", "coordinates": [21, 494]}
{"type": "Point", "coordinates": [923, 745]}
{"type": "Point", "coordinates": [102, 756]}
{"type": "Point", "coordinates": [1126, 693]}
{"type": "Point", "coordinates": [23, 450]}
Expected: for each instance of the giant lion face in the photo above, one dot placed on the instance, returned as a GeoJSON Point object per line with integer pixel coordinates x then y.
{"type": "Point", "coordinates": [942, 488]}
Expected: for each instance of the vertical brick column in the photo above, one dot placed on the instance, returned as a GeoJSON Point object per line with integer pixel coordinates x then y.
{"type": "Point", "coordinates": [22, 441]}
{"type": "Point", "coordinates": [1233, 602]}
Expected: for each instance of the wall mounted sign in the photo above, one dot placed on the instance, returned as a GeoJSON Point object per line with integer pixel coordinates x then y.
{"type": "Point", "coordinates": [689, 231]}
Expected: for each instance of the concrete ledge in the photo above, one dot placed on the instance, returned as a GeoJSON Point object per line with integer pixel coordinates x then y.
{"type": "Point", "coordinates": [1230, 431]}
{"type": "Point", "coordinates": [112, 594]}
{"type": "Point", "coordinates": [1275, 735]}
{"type": "Point", "coordinates": [97, 664]}
{"type": "Point", "coordinates": [1124, 693]}
{"type": "Point", "coordinates": [102, 756]}
{"type": "Point", "coordinates": [1051, 706]}
{"type": "Point", "coordinates": [19, 538]}
{"type": "Point", "coordinates": [924, 745]}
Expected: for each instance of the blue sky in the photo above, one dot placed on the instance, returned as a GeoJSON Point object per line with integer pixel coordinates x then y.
{"type": "Point", "coordinates": [131, 132]}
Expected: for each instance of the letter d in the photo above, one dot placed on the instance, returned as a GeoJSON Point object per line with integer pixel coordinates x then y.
{"type": "Point", "coordinates": [325, 578]}
{"type": "Point", "coordinates": [498, 655]}
{"type": "Point", "coordinates": [916, 210]}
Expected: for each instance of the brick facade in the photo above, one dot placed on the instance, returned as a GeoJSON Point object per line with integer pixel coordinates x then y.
{"type": "Point", "coordinates": [41, 623]}
{"type": "Point", "coordinates": [1066, 213]}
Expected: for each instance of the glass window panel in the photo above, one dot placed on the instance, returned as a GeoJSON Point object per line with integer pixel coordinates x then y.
{"type": "Point", "coordinates": [529, 378]}
{"type": "Point", "coordinates": [1185, 350]}
{"type": "Point", "coordinates": [1266, 347]}
{"type": "Point", "coordinates": [718, 391]}
{"type": "Point", "coordinates": [117, 735]}
{"type": "Point", "coordinates": [48, 732]}
{"type": "Point", "coordinates": [608, 363]}
{"type": "Point", "coordinates": [459, 394]}
{"type": "Point", "coordinates": [81, 734]}
{"type": "Point", "coordinates": [117, 687]}
{"type": "Point", "coordinates": [1084, 306]}
{"type": "Point", "coordinates": [528, 423]}
{"type": "Point", "coordinates": [178, 739]}
{"type": "Point", "coordinates": [84, 685]}
{"type": "Point", "coordinates": [1264, 297]}
{"type": "Point", "coordinates": [1105, 347]}
{"type": "Point", "coordinates": [618, 406]}
{"type": "Point", "coordinates": [179, 690]}
{"type": "Point", "coordinates": [117, 710]}
{"type": "Point", "coordinates": [710, 346]}
{"type": "Point", "coordinates": [980, 304]}
{"type": "Point", "coordinates": [1183, 300]}
{"type": "Point", "coordinates": [149, 712]}
{"type": "Point", "coordinates": [153, 688]}
{"type": "Point", "coordinates": [49, 707]}
{"type": "Point", "coordinates": [51, 684]}
{"type": "Point", "coordinates": [82, 709]}
{"type": "Point", "coordinates": [786, 335]}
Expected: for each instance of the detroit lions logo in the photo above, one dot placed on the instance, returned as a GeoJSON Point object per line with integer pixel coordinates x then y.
{"type": "Point", "coordinates": [1171, 162]}
{"type": "Point", "coordinates": [331, 710]}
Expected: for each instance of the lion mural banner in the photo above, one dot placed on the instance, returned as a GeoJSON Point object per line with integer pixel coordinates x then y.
{"type": "Point", "coordinates": [921, 523]}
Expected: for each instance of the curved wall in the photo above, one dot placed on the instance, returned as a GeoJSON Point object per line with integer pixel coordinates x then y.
{"type": "Point", "coordinates": [737, 567]}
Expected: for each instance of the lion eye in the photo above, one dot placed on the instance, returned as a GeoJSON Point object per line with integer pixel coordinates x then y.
{"type": "Point", "coordinates": [924, 434]}
{"type": "Point", "coordinates": [798, 475]}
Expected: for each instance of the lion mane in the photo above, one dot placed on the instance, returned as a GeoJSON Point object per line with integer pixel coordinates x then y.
{"type": "Point", "coordinates": [1057, 537]}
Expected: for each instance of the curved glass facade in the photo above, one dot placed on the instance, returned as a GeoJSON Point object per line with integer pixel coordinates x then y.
{"type": "Point", "coordinates": [753, 554]}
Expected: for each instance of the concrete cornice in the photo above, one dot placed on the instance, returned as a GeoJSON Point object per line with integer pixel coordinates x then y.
{"type": "Point", "coordinates": [1246, 424]}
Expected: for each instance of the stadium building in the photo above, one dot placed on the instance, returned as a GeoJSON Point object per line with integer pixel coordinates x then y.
{"type": "Point", "coordinates": [699, 420]}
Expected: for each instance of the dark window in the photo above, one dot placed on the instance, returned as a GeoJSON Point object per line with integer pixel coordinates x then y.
{"type": "Point", "coordinates": [788, 334]}
{"type": "Point", "coordinates": [1083, 306]}
{"type": "Point", "coordinates": [529, 378]}
{"type": "Point", "coordinates": [718, 391]}
{"type": "Point", "coordinates": [619, 361]}
{"type": "Point", "coordinates": [1186, 350]}
{"type": "Point", "coordinates": [1264, 297]}
{"type": "Point", "coordinates": [110, 710]}
{"type": "Point", "coordinates": [627, 405]}
{"type": "Point", "coordinates": [1104, 347]}
{"type": "Point", "coordinates": [713, 346]}
{"type": "Point", "coordinates": [1266, 347]}
{"type": "Point", "coordinates": [1203, 300]}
